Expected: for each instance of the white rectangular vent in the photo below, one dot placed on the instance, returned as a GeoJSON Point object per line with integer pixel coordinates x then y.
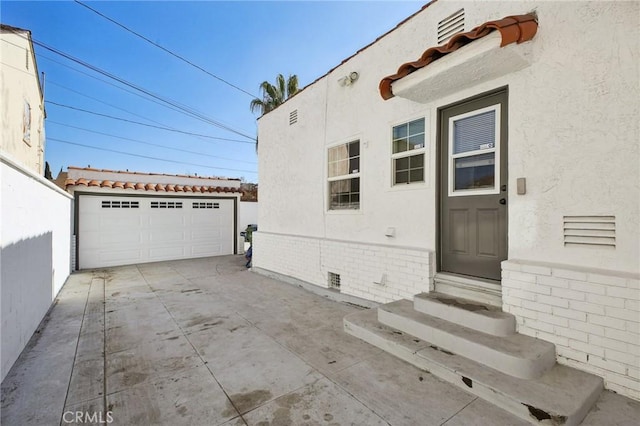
{"type": "Point", "coordinates": [120, 204]}
{"type": "Point", "coordinates": [453, 24]}
{"type": "Point", "coordinates": [590, 230]}
{"type": "Point", "coordinates": [334, 280]}
{"type": "Point", "coordinates": [166, 205]}
{"type": "Point", "coordinates": [293, 117]}
{"type": "Point", "coordinates": [206, 205]}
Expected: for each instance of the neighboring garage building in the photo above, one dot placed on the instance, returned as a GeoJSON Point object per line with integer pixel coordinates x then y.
{"type": "Point", "coordinates": [125, 218]}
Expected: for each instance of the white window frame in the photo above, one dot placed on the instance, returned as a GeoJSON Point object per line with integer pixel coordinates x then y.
{"type": "Point", "coordinates": [409, 153]}
{"type": "Point", "coordinates": [344, 177]}
{"type": "Point", "coordinates": [495, 149]}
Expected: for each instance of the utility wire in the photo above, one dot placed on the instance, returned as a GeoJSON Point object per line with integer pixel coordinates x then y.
{"type": "Point", "coordinates": [124, 89]}
{"type": "Point", "coordinates": [148, 157]}
{"type": "Point", "coordinates": [121, 109]}
{"type": "Point", "coordinates": [147, 143]}
{"type": "Point", "coordinates": [184, 109]}
{"type": "Point", "coordinates": [101, 101]}
{"type": "Point", "coordinates": [145, 124]}
{"type": "Point", "coordinates": [164, 49]}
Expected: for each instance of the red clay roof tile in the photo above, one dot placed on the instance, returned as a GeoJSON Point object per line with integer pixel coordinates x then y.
{"type": "Point", "coordinates": [513, 29]}
{"type": "Point", "coordinates": [149, 186]}
{"type": "Point", "coordinates": [147, 174]}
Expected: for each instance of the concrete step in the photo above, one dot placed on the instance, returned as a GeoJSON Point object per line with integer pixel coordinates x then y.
{"type": "Point", "coordinates": [561, 396]}
{"type": "Point", "coordinates": [467, 313]}
{"type": "Point", "coordinates": [480, 289]}
{"type": "Point", "coordinates": [518, 355]}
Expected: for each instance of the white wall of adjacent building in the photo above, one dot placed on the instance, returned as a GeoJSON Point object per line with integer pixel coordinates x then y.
{"type": "Point", "coordinates": [21, 97]}
{"type": "Point", "coordinates": [573, 134]}
{"type": "Point", "coordinates": [35, 261]}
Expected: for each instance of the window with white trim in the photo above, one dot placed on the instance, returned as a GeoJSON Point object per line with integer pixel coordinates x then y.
{"type": "Point", "coordinates": [474, 146]}
{"type": "Point", "coordinates": [344, 176]}
{"type": "Point", "coordinates": [408, 152]}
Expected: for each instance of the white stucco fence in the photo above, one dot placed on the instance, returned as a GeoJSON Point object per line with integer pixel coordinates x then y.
{"type": "Point", "coordinates": [35, 231]}
{"type": "Point", "coordinates": [248, 215]}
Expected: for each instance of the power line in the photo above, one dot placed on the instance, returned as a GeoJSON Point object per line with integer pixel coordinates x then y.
{"type": "Point", "coordinates": [148, 143]}
{"type": "Point", "coordinates": [102, 102]}
{"type": "Point", "coordinates": [183, 108]}
{"type": "Point", "coordinates": [164, 49]}
{"type": "Point", "coordinates": [148, 157]}
{"type": "Point", "coordinates": [146, 98]}
{"type": "Point", "coordinates": [145, 124]}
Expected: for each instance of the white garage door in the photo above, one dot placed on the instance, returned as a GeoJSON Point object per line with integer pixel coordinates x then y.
{"type": "Point", "coordinates": [127, 230]}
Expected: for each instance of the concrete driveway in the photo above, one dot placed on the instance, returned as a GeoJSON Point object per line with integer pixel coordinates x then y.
{"type": "Point", "coordinates": [207, 342]}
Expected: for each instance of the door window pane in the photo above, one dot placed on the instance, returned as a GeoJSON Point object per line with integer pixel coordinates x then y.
{"type": "Point", "coordinates": [475, 132]}
{"type": "Point", "coordinates": [473, 172]}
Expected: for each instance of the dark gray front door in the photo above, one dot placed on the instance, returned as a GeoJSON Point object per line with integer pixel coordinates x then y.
{"type": "Point", "coordinates": [473, 192]}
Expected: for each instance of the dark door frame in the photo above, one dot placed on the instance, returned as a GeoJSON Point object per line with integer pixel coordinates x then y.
{"type": "Point", "coordinates": [438, 185]}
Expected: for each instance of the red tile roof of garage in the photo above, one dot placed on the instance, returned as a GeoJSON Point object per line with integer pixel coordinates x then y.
{"type": "Point", "coordinates": [91, 169]}
{"type": "Point", "coordinates": [514, 29]}
{"type": "Point", "coordinates": [138, 186]}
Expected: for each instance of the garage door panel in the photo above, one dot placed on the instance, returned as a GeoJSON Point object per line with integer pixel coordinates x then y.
{"type": "Point", "coordinates": [157, 237]}
{"type": "Point", "coordinates": [173, 218]}
{"type": "Point", "coordinates": [205, 234]}
{"type": "Point", "coordinates": [118, 236]}
{"type": "Point", "coordinates": [121, 238]}
{"type": "Point", "coordinates": [165, 253]}
{"type": "Point", "coordinates": [205, 218]}
{"type": "Point", "coordinates": [117, 257]}
{"type": "Point", "coordinates": [204, 250]}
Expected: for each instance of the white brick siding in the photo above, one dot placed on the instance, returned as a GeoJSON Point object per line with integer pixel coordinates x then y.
{"type": "Point", "coordinates": [590, 315]}
{"type": "Point", "coordinates": [374, 272]}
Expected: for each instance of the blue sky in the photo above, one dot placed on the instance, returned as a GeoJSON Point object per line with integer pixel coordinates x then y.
{"type": "Point", "coordinates": [241, 42]}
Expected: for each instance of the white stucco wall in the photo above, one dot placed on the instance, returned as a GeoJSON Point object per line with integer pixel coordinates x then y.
{"type": "Point", "coordinates": [35, 231]}
{"type": "Point", "coordinates": [247, 215]}
{"type": "Point", "coordinates": [19, 83]}
{"type": "Point", "coordinates": [573, 134]}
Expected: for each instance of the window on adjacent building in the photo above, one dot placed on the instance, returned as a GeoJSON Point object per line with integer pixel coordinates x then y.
{"type": "Point", "coordinates": [26, 123]}
{"type": "Point", "coordinates": [344, 176]}
{"type": "Point", "coordinates": [408, 151]}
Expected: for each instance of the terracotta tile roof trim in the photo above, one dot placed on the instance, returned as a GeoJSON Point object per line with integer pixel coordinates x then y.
{"type": "Point", "coordinates": [146, 174]}
{"type": "Point", "coordinates": [513, 29]}
{"type": "Point", "coordinates": [156, 187]}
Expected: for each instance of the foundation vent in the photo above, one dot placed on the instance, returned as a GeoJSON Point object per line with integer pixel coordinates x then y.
{"type": "Point", "coordinates": [293, 117]}
{"type": "Point", "coordinates": [453, 24]}
{"type": "Point", "coordinates": [334, 280]}
{"type": "Point", "coordinates": [590, 231]}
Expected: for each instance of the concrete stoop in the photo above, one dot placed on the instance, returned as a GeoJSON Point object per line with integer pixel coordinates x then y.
{"type": "Point", "coordinates": [515, 372]}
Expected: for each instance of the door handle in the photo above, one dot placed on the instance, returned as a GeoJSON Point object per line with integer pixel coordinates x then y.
{"type": "Point", "coordinates": [503, 201]}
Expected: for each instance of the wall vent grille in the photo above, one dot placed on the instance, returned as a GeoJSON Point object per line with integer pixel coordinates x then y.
{"type": "Point", "coordinates": [293, 117]}
{"type": "Point", "coordinates": [453, 24]}
{"type": "Point", "coordinates": [590, 230]}
{"type": "Point", "coordinates": [334, 280]}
